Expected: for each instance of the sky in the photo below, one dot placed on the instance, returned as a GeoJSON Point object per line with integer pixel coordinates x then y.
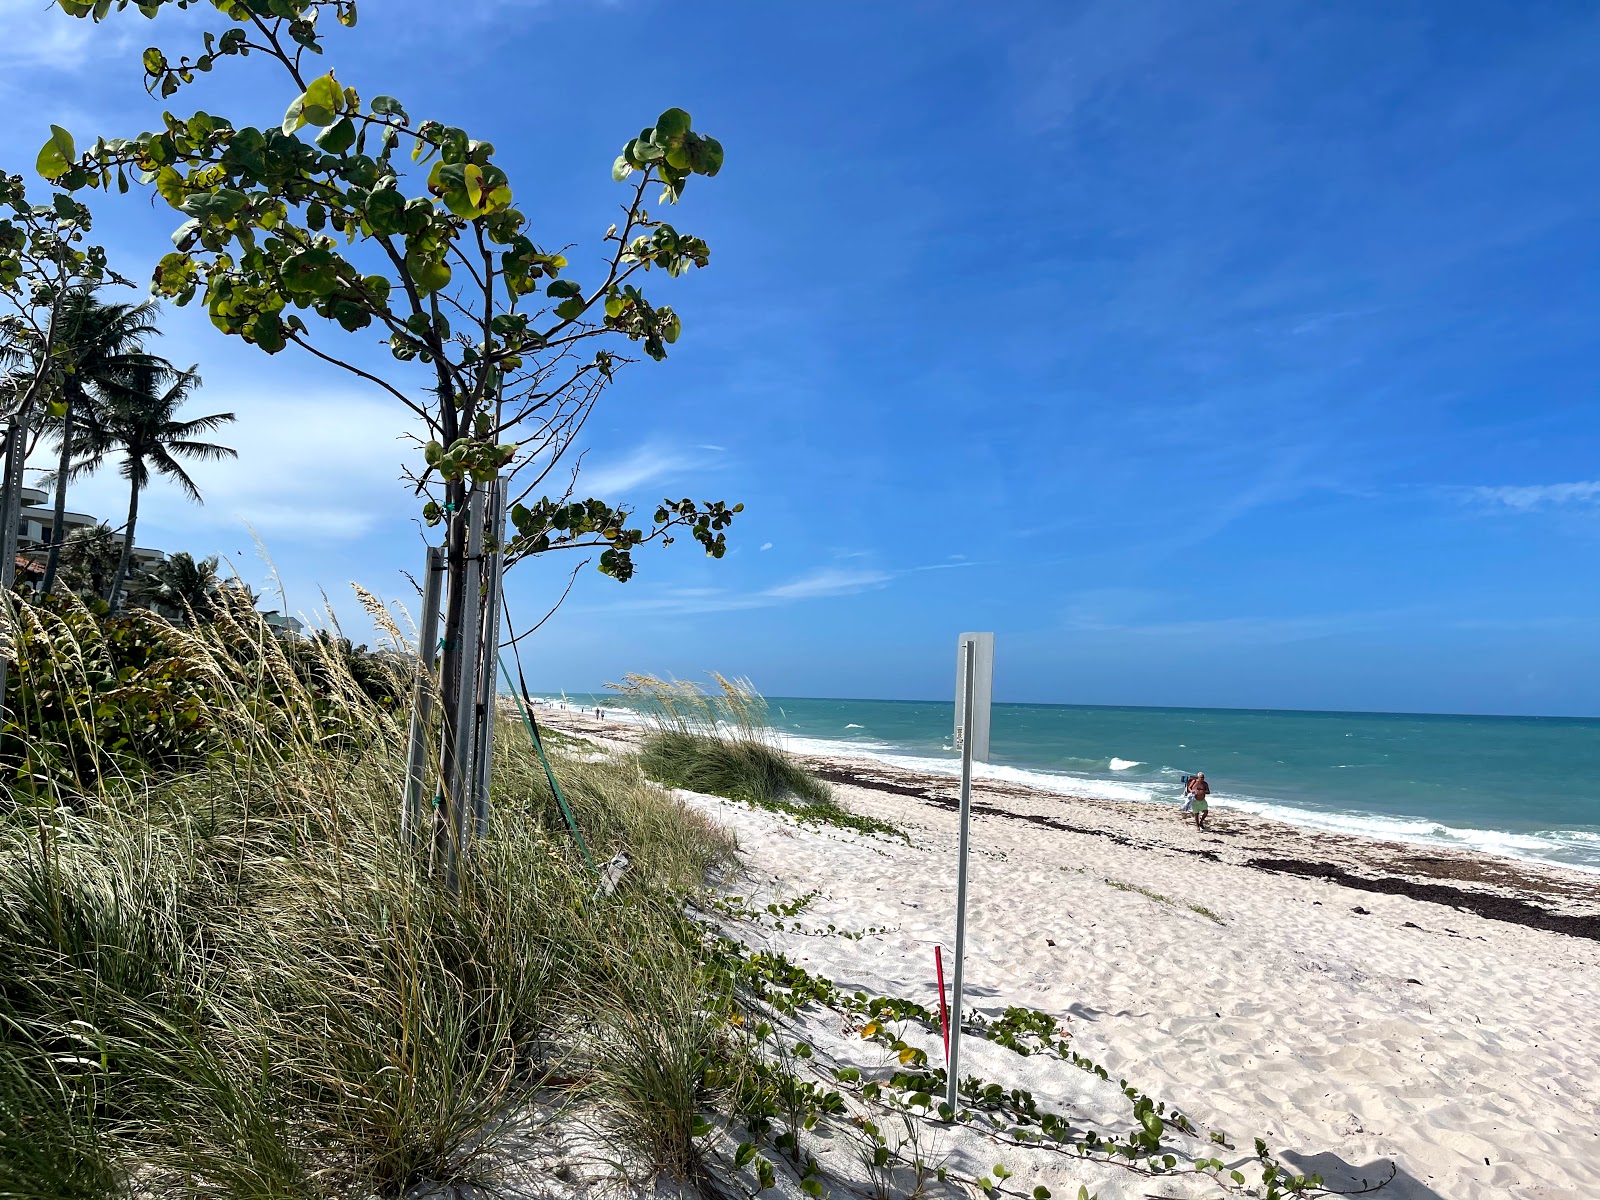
{"type": "Point", "coordinates": [1226, 354]}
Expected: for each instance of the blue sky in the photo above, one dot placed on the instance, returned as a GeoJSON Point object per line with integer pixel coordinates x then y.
{"type": "Point", "coordinates": [1211, 354]}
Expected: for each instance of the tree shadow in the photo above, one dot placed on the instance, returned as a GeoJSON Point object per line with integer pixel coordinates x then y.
{"type": "Point", "coordinates": [1346, 1177]}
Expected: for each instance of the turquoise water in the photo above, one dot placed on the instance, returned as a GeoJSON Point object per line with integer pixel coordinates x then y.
{"type": "Point", "coordinates": [1525, 787]}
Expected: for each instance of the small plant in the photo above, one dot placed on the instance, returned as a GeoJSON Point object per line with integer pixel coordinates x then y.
{"type": "Point", "coordinates": [720, 742]}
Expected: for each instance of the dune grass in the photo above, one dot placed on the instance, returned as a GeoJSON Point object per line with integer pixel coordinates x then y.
{"type": "Point", "coordinates": [720, 742]}
{"type": "Point", "coordinates": [236, 978]}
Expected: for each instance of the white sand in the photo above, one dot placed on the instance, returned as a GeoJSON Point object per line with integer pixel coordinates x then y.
{"type": "Point", "coordinates": [1462, 1049]}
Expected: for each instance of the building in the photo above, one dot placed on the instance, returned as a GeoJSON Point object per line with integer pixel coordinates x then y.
{"type": "Point", "coordinates": [35, 531]}
{"type": "Point", "coordinates": [34, 537]}
{"type": "Point", "coordinates": [284, 623]}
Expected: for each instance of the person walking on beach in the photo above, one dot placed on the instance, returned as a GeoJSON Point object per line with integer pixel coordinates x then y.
{"type": "Point", "coordinates": [1199, 789]}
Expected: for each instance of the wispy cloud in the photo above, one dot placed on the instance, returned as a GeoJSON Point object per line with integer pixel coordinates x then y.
{"type": "Point", "coordinates": [41, 35]}
{"type": "Point", "coordinates": [648, 464]}
{"type": "Point", "coordinates": [1533, 497]}
{"type": "Point", "coordinates": [1241, 631]}
{"type": "Point", "coordinates": [822, 583]}
{"type": "Point", "coordinates": [829, 581]}
{"type": "Point", "coordinates": [321, 467]}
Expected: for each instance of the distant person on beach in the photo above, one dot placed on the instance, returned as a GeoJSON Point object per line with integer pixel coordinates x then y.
{"type": "Point", "coordinates": [1198, 790]}
{"type": "Point", "coordinates": [1188, 799]}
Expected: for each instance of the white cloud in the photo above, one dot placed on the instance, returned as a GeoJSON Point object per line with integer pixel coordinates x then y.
{"type": "Point", "coordinates": [766, 545]}
{"type": "Point", "coordinates": [40, 34]}
{"type": "Point", "coordinates": [318, 467]}
{"type": "Point", "coordinates": [1533, 497]}
{"type": "Point", "coordinates": [829, 581]}
{"type": "Point", "coordinates": [819, 584]}
{"type": "Point", "coordinates": [646, 464]}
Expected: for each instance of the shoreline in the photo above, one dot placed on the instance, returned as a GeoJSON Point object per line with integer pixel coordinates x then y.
{"type": "Point", "coordinates": [1550, 897]}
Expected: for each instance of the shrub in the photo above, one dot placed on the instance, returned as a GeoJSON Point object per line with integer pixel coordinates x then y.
{"type": "Point", "coordinates": [722, 743]}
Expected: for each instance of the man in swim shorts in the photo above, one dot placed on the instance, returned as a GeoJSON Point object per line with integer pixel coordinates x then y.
{"type": "Point", "coordinates": [1199, 789]}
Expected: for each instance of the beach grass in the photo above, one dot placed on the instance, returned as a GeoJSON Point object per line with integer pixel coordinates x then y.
{"type": "Point", "coordinates": [235, 977]}
{"type": "Point", "coordinates": [1161, 898]}
{"type": "Point", "coordinates": [720, 742]}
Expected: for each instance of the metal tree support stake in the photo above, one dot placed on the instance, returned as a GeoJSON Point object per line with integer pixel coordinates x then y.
{"type": "Point", "coordinates": [458, 788]}
{"type": "Point", "coordinates": [413, 813]}
{"type": "Point", "coordinates": [974, 676]}
{"type": "Point", "coordinates": [489, 654]}
{"type": "Point", "coordinates": [16, 459]}
{"type": "Point", "coordinates": [11, 514]}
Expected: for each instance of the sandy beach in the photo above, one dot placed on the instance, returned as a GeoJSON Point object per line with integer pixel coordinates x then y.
{"type": "Point", "coordinates": [1357, 1003]}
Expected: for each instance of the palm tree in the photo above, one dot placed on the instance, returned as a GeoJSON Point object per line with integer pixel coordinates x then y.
{"type": "Point", "coordinates": [139, 418]}
{"type": "Point", "coordinates": [182, 583]}
{"type": "Point", "coordinates": [89, 557]}
{"type": "Point", "coordinates": [105, 343]}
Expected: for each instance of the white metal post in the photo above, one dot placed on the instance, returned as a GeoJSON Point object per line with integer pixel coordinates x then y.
{"type": "Point", "coordinates": [16, 456]}
{"type": "Point", "coordinates": [459, 785]}
{"type": "Point", "coordinates": [953, 1064]}
{"type": "Point", "coordinates": [488, 692]}
{"type": "Point", "coordinates": [11, 514]}
{"type": "Point", "coordinates": [975, 671]}
{"type": "Point", "coordinates": [411, 814]}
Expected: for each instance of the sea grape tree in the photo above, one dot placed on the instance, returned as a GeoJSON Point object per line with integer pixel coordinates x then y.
{"type": "Point", "coordinates": [44, 260]}
{"type": "Point", "coordinates": [348, 216]}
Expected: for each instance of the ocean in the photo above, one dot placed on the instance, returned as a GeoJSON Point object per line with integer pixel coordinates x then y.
{"type": "Point", "coordinates": [1522, 787]}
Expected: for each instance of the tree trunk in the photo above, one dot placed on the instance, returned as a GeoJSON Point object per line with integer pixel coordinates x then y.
{"type": "Point", "coordinates": [115, 598]}
{"type": "Point", "coordinates": [53, 562]}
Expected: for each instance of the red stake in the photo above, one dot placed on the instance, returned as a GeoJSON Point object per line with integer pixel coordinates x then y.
{"type": "Point", "coordinates": [944, 1011]}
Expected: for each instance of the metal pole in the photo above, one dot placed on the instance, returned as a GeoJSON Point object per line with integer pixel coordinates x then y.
{"type": "Point", "coordinates": [487, 691]}
{"type": "Point", "coordinates": [11, 514]}
{"type": "Point", "coordinates": [417, 774]}
{"type": "Point", "coordinates": [16, 455]}
{"type": "Point", "coordinates": [953, 1066]}
{"type": "Point", "coordinates": [458, 787]}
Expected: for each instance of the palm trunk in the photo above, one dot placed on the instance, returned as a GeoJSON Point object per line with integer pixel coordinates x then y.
{"type": "Point", "coordinates": [59, 511]}
{"type": "Point", "coordinates": [115, 598]}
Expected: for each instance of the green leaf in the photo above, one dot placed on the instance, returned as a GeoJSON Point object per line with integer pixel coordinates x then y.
{"type": "Point", "coordinates": [338, 137]}
{"type": "Point", "coordinates": [58, 154]}
{"type": "Point", "coordinates": [562, 288]}
{"type": "Point", "coordinates": [430, 276]}
{"type": "Point", "coordinates": [267, 332]}
{"type": "Point", "coordinates": [388, 106]}
{"type": "Point", "coordinates": [1041, 1193]}
{"type": "Point", "coordinates": [319, 104]}
{"type": "Point", "coordinates": [621, 169]}
{"type": "Point", "coordinates": [671, 126]}
{"type": "Point", "coordinates": [710, 157]}
{"type": "Point", "coordinates": [386, 211]}
{"type": "Point", "coordinates": [569, 310]}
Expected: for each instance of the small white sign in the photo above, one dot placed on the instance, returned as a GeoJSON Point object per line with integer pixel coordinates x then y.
{"type": "Point", "coordinates": [982, 690]}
